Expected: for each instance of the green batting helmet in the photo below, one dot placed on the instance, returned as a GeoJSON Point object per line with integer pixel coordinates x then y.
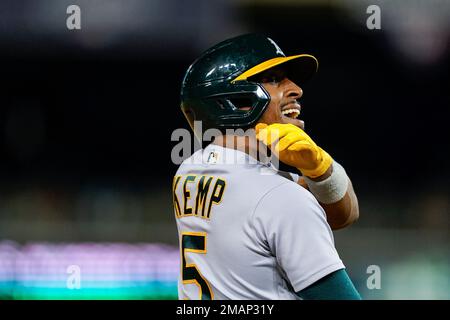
{"type": "Point", "coordinates": [216, 85]}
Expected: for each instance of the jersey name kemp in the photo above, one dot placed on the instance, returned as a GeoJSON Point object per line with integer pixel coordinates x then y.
{"type": "Point", "coordinates": [209, 192]}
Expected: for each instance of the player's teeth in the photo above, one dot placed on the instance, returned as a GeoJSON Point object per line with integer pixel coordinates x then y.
{"type": "Point", "coordinates": [286, 112]}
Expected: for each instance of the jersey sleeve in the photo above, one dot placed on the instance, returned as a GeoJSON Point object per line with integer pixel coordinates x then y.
{"type": "Point", "coordinates": [290, 221]}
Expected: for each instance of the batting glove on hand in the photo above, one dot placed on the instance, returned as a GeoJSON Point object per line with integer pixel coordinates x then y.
{"type": "Point", "coordinates": [295, 148]}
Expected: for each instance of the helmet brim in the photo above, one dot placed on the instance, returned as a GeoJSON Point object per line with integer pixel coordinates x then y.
{"type": "Point", "coordinates": [300, 67]}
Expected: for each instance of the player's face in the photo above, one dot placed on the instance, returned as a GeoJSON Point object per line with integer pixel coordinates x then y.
{"type": "Point", "coordinates": [284, 94]}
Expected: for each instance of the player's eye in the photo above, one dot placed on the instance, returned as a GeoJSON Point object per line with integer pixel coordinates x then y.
{"type": "Point", "coordinates": [274, 79]}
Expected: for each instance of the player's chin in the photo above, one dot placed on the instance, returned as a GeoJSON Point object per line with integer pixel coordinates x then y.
{"type": "Point", "coordinates": [296, 122]}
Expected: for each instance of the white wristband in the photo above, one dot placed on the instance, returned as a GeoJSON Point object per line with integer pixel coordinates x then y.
{"type": "Point", "coordinates": [333, 188]}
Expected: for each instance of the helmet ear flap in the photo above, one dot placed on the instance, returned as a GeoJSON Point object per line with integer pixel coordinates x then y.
{"type": "Point", "coordinates": [242, 103]}
{"type": "Point", "coordinates": [235, 103]}
{"type": "Point", "coordinates": [225, 104]}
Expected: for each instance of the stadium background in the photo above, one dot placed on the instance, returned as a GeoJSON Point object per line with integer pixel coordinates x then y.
{"type": "Point", "coordinates": [85, 136]}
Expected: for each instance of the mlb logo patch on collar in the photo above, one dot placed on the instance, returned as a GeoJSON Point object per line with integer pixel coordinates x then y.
{"type": "Point", "coordinates": [212, 157]}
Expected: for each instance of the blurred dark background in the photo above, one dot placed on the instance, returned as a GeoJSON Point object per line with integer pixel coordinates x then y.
{"type": "Point", "coordinates": [87, 115]}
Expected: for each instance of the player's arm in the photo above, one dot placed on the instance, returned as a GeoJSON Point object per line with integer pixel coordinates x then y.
{"type": "Point", "coordinates": [342, 212]}
{"type": "Point", "coordinates": [323, 177]}
{"type": "Point", "coordinates": [334, 286]}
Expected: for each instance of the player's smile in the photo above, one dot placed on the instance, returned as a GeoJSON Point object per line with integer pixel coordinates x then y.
{"type": "Point", "coordinates": [289, 113]}
{"type": "Point", "coordinates": [291, 109]}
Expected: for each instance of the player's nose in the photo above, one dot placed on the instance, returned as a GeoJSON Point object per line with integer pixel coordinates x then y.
{"type": "Point", "coordinates": [292, 90]}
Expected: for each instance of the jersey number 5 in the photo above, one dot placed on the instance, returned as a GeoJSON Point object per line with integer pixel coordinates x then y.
{"type": "Point", "coordinates": [194, 242]}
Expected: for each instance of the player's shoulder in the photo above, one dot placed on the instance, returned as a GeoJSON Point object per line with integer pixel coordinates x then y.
{"type": "Point", "coordinates": [196, 159]}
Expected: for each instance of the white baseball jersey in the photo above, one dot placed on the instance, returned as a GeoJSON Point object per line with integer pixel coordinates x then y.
{"type": "Point", "coordinates": [246, 230]}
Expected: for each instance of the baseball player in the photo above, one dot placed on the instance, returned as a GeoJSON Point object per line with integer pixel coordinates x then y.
{"type": "Point", "coordinates": [248, 230]}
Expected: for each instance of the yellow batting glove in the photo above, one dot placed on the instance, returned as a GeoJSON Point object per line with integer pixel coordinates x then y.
{"type": "Point", "coordinates": [295, 148]}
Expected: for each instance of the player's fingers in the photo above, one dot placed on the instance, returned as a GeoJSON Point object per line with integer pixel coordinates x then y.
{"type": "Point", "coordinates": [286, 128]}
{"type": "Point", "coordinates": [267, 136]}
{"type": "Point", "coordinates": [301, 145]}
{"type": "Point", "coordinates": [272, 133]}
{"type": "Point", "coordinates": [288, 140]}
{"type": "Point", "coordinates": [262, 135]}
{"type": "Point", "coordinates": [308, 152]}
{"type": "Point", "coordinates": [259, 127]}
